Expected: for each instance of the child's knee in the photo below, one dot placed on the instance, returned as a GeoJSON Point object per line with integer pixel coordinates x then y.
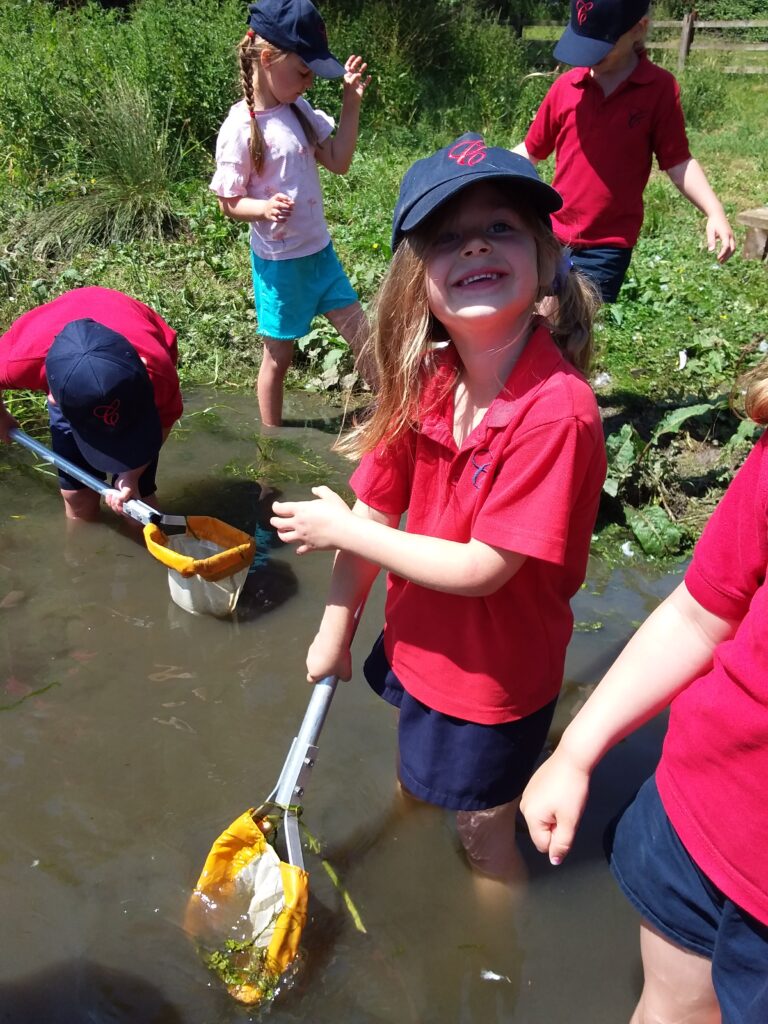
{"type": "Point", "coordinates": [488, 838]}
{"type": "Point", "coordinates": [277, 355]}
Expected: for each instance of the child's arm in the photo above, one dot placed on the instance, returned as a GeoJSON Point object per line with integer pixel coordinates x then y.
{"type": "Point", "coordinates": [522, 151]}
{"type": "Point", "coordinates": [7, 422]}
{"type": "Point", "coordinates": [277, 208]}
{"type": "Point", "coordinates": [691, 180]}
{"type": "Point", "coordinates": [473, 569]}
{"type": "Point", "coordinates": [351, 581]}
{"type": "Point", "coordinates": [673, 647]}
{"type": "Point", "coordinates": [335, 153]}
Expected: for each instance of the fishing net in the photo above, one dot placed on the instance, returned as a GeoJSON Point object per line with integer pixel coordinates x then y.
{"type": "Point", "coordinates": [248, 911]}
{"type": "Point", "coordinates": [207, 564]}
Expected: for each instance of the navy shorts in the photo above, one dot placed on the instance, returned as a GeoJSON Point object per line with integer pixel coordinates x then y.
{"type": "Point", "coordinates": [661, 880]}
{"type": "Point", "coordinates": [63, 443]}
{"type": "Point", "coordinates": [453, 763]}
{"type": "Point", "coordinates": [605, 266]}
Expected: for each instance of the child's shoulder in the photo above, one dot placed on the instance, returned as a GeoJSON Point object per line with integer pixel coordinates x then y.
{"type": "Point", "coordinates": [564, 391]}
{"type": "Point", "coordinates": [237, 115]}
{"type": "Point", "coordinates": [647, 71]}
{"type": "Point", "coordinates": [566, 80]}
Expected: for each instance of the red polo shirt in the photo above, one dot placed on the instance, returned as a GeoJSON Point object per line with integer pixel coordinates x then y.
{"type": "Point", "coordinates": [528, 479]}
{"type": "Point", "coordinates": [25, 344]}
{"type": "Point", "coordinates": [604, 148]}
{"type": "Point", "coordinates": [714, 766]}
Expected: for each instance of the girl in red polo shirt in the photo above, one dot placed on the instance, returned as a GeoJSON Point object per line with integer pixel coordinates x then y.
{"type": "Point", "coordinates": [690, 850]}
{"type": "Point", "coordinates": [486, 432]}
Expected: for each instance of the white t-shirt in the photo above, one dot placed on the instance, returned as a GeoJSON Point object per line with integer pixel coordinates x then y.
{"type": "Point", "coordinates": [289, 167]}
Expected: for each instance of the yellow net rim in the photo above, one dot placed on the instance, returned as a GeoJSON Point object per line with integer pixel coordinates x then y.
{"type": "Point", "coordinates": [236, 549]}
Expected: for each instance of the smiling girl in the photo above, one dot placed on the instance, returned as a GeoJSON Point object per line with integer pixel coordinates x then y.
{"type": "Point", "coordinates": [267, 153]}
{"type": "Point", "coordinates": [486, 432]}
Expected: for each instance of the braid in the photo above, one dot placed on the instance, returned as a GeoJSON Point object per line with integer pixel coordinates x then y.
{"type": "Point", "coordinates": [248, 57]}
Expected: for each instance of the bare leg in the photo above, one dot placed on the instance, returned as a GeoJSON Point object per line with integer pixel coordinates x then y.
{"type": "Point", "coordinates": [276, 358]}
{"type": "Point", "coordinates": [82, 504]}
{"type": "Point", "coordinates": [677, 984]}
{"type": "Point", "coordinates": [488, 838]}
{"type": "Point", "coordinates": [352, 324]}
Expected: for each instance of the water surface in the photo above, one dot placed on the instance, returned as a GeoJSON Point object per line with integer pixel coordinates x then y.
{"type": "Point", "coordinates": [132, 733]}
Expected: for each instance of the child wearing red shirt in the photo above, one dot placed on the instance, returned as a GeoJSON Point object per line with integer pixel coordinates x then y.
{"type": "Point", "coordinates": [108, 365]}
{"type": "Point", "coordinates": [485, 431]}
{"type": "Point", "coordinates": [605, 120]}
{"type": "Point", "coordinates": [689, 852]}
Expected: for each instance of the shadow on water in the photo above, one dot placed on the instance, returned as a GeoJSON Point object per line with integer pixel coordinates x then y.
{"type": "Point", "coordinates": [132, 733]}
{"type": "Point", "coordinates": [80, 991]}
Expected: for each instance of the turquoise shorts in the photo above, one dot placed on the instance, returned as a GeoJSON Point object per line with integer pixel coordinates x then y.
{"type": "Point", "coordinates": [290, 293]}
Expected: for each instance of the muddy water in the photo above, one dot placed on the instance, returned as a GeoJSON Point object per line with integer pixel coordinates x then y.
{"type": "Point", "coordinates": [131, 733]}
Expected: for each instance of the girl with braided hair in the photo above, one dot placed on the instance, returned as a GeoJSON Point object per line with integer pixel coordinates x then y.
{"type": "Point", "coordinates": [267, 153]}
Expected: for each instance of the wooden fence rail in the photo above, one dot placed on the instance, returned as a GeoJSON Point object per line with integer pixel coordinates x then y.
{"type": "Point", "coordinates": [689, 26]}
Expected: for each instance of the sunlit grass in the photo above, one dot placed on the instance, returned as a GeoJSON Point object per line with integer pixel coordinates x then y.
{"type": "Point", "coordinates": [131, 165]}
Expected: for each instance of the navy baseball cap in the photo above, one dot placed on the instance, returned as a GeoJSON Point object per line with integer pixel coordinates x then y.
{"type": "Point", "coordinates": [103, 389]}
{"type": "Point", "coordinates": [434, 180]}
{"type": "Point", "coordinates": [595, 27]}
{"type": "Point", "coordinates": [296, 26]}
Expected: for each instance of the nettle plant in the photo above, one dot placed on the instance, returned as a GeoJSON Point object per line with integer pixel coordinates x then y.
{"type": "Point", "coordinates": [645, 478]}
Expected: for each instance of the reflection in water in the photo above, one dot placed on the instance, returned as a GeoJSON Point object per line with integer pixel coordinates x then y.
{"type": "Point", "coordinates": [132, 733]}
{"type": "Point", "coordinates": [81, 991]}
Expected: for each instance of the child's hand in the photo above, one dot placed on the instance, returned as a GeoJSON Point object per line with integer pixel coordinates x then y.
{"type": "Point", "coordinates": [326, 657]}
{"type": "Point", "coordinates": [312, 525]}
{"type": "Point", "coordinates": [278, 208]}
{"type": "Point", "coordinates": [125, 487]}
{"type": "Point", "coordinates": [7, 423]}
{"type": "Point", "coordinates": [354, 82]}
{"type": "Point", "coordinates": [552, 804]}
{"type": "Point", "coordinates": [718, 227]}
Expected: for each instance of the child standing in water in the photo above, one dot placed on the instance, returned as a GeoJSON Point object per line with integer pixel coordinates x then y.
{"type": "Point", "coordinates": [690, 850]}
{"type": "Point", "coordinates": [486, 432]}
{"type": "Point", "coordinates": [605, 121]}
{"type": "Point", "coordinates": [267, 153]}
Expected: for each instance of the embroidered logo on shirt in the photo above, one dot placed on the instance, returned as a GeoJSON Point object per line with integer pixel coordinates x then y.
{"type": "Point", "coordinates": [582, 11]}
{"type": "Point", "coordinates": [635, 117]}
{"type": "Point", "coordinates": [110, 414]}
{"type": "Point", "coordinates": [481, 460]}
{"type": "Point", "coordinates": [468, 153]}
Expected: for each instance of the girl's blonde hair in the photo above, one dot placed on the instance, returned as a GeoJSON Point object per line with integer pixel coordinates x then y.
{"type": "Point", "coordinates": [401, 344]}
{"type": "Point", "coordinates": [249, 51]}
{"type": "Point", "coordinates": [756, 397]}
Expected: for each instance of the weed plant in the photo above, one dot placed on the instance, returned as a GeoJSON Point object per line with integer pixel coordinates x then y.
{"type": "Point", "coordinates": [131, 165]}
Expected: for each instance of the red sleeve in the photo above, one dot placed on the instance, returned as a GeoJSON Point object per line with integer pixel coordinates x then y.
{"type": "Point", "coordinates": [542, 135]}
{"type": "Point", "coordinates": [383, 478]}
{"type": "Point", "coordinates": [669, 140]}
{"type": "Point", "coordinates": [729, 563]}
{"type": "Point", "coordinates": [22, 366]}
{"type": "Point", "coordinates": [168, 401]}
{"type": "Point", "coordinates": [550, 478]}
{"type": "Point", "coordinates": [165, 334]}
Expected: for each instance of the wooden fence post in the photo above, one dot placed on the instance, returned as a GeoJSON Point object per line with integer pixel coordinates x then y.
{"type": "Point", "coordinates": [686, 38]}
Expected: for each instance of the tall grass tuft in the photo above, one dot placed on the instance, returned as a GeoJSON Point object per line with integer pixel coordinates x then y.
{"type": "Point", "coordinates": [130, 166]}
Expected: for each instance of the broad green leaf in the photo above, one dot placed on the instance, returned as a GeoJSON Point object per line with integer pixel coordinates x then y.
{"type": "Point", "coordinates": [675, 419]}
{"type": "Point", "coordinates": [654, 530]}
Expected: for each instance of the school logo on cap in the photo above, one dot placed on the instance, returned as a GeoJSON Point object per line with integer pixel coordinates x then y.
{"type": "Point", "coordinates": [582, 11]}
{"type": "Point", "coordinates": [109, 414]}
{"type": "Point", "coordinates": [469, 152]}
